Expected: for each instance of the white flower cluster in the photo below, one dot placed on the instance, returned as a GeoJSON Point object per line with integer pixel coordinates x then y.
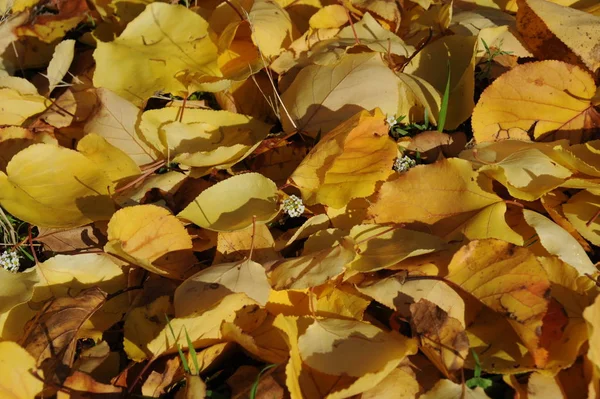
{"type": "Point", "coordinates": [403, 164]}
{"type": "Point", "coordinates": [293, 206]}
{"type": "Point", "coordinates": [391, 121]}
{"type": "Point", "coordinates": [9, 260]}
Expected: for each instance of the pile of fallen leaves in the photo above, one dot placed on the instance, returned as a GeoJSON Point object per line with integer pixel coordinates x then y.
{"type": "Point", "coordinates": [300, 198]}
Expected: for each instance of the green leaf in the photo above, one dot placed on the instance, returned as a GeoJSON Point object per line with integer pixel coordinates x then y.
{"type": "Point", "coordinates": [445, 101]}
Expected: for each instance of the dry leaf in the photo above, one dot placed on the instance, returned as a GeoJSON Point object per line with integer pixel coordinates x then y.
{"type": "Point", "coordinates": [546, 100]}
{"type": "Point", "coordinates": [338, 168]}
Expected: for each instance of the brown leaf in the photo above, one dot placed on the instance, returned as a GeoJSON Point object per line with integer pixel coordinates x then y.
{"type": "Point", "coordinates": [157, 382]}
{"type": "Point", "coordinates": [82, 386]}
{"type": "Point", "coordinates": [76, 240]}
{"type": "Point", "coordinates": [443, 338]}
{"type": "Point", "coordinates": [51, 336]}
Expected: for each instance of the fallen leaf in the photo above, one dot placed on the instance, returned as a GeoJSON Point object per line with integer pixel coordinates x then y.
{"type": "Point", "coordinates": [115, 119]}
{"type": "Point", "coordinates": [51, 336]}
{"type": "Point", "coordinates": [60, 63]}
{"type": "Point", "coordinates": [202, 137]}
{"type": "Point", "coordinates": [251, 197]}
{"type": "Point", "coordinates": [580, 209]}
{"type": "Point", "coordinates": [271, 26]}
{"type": "Point", "coordinates": [20, 100]}
{"type": "Point", "coordinates": [143, 234]}
{"type": "Point", "coordinates": [207, 287]}
{"type": "Point", "coordinates": [430, 65]}
{"type": "Point", "coordinates": [559, 32]}
{"type": "Point", "coordinates": [559, 242]}
{"type": "Point", "coordinates": [313, 269]}
{"type": "Point", "coordinates": [322, 97]}
{"type": "Point", "coordinates": [430, 193]}
{"type": "Point", "coordinates": [53, 186]}
{"type": "Point", "coordinates": [492, 271]}
{"type": "Point", "coordinates": [548, 99]}
{"type": "Point", "coordinates": [117, 164]}
{"type": "Point", "coordinates": [155, 49]}
{"type": "Point", "coordinates": [80, 385]}
{"type": "Point", "coordinates": [17, 366]}
{"type": "Point", "coordinates": [443, 338]}
{"type": "Point", "coordinates": [380, 246]}
{"type": "Point", "coordinates": [338, 168]}
{"type": "Point", "coordinates": [447, 389]}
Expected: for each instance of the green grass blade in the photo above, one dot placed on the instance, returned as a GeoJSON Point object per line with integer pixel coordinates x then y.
{"type": "Point", "coordinates": [445, 100]}
{"type": "Point", "coordinates": [254, 388]}
{"type": "Point", "coordinates": [184, 362]}
{"type": "Point", "coordinates": [192, 351]}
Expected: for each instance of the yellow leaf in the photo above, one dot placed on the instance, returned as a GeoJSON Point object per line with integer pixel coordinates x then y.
{"type": "Point", "coordinates": [202, 138]}
{"type": "Point", "coordinates": [13, 139]}
{"type": "Point", "coordinates": [325, 342]}
{"type": "Point", "coordinates": [557, 241]}
{"type": "Point", "coordinates": [143, 234]}
{"type": "Point", "coordinates": [400, 383]}
{"type": "Point", "coordinates": [16, 365]}
{"type": "Point", "coordinates": [60, 63]}
{"type": "Point", "coordinates": [322, 97]}
{"type": "Point", "coordinates": [19, 100]}
{"type": "Point", "coordinates": [115, 119]}
{"type": "Point", "coordinates": [157, 51]}
{"type": "Point", "coordinates": [112, 160]}
{"type": "Point", "coordinates": [582, 208]}
{"type": "Point", "coordinates": [251, 196]}
{"type": "Point", "coordinates": [312, 225]}
{"type": "Point", "coordinates": [271, 26]}
{"type": "Point", "coordinates": [430, 193]}
{"type": "Point", "coordinates": [551, 98]}
{"type": "Point", "coordinates": [592, 316]}
{"type": "Point", "coordinates": [430, 64]}
{"type": "Point", "coordinates": [207, 287]}
{"type": "Point", "coordinates": [347, 162]}
{"type": "Point", "coordinates": [332, 346]}
{"type": "Point", "coordinates": [558, 32]}
{"type": "Point", "coordinates": [564, 331]}
{"type": "Point", "coordinates": [264, 342]}
{"type": "Point", "coordinates": [528, 173]}
{"type": "Point", "coordinates": [313, 269]}
{"type": "Point", "coordinates": [331, 16]}
{"type": "Point", "coordinates": [204, 327]}
{"type": "Point", "coordinates": [490, 222]}
{"type": "Point", "coordinates": [16, 288]}
{"type": "Point", "coordinates": [323, 301]}
{"type": "Point", "coordinates": [52, 186]}
{"type": "Point", "coordinates": [379, 247]}
{"type": "Point", "coordinates": [510, 281]}
{"type": "Point", "coordinates": [255, 241]}
{"type": "Point", "coordinates": [142, 324]}
{"type": "Point", "coordinates": [446, 389]}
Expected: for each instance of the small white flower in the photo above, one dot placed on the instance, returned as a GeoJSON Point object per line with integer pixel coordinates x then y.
{"type": "Point", "coordinates": [391, 120]}
{"type": "Point", "coordinates": [293, 206]}
{"type": "Point", "coordinates": [9, 260]}
{"type": "Point", "coordinates": [403, 164]}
